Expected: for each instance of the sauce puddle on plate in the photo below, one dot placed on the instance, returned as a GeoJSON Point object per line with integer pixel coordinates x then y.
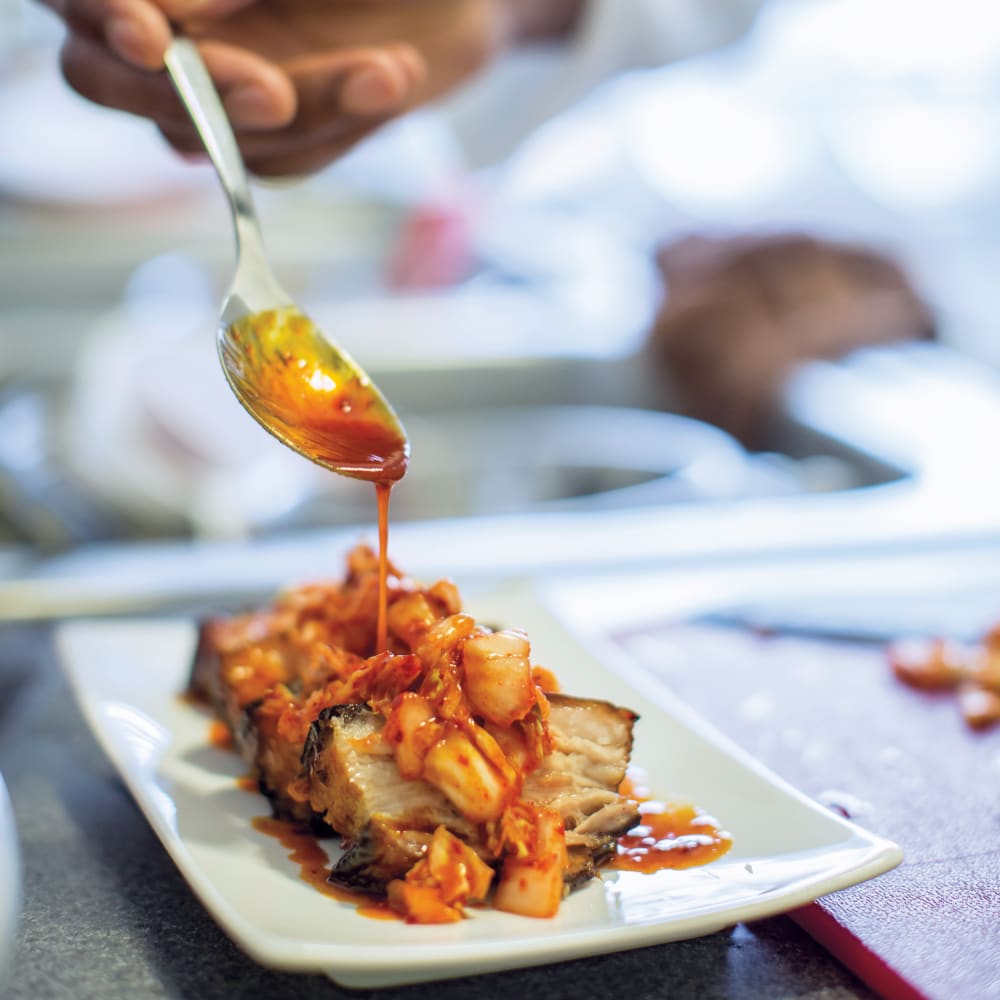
{"type": "Point", "coordinates": [669, 835]}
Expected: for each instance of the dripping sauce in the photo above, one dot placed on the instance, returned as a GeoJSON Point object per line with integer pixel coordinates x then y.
{"type": "Point", "coordinates": [319, 406]}
{"type": "Point", "coordinates": [669, 835]}
{"type": "Point", "coordinates": [382, 491]}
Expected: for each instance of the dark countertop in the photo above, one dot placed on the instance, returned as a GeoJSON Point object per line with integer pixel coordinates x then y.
{"type": "Point", "coordinates": [107, 915]}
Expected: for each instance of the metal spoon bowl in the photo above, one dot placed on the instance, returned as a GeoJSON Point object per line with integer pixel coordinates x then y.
{"type": "Point", "coordinates": [290, 377]}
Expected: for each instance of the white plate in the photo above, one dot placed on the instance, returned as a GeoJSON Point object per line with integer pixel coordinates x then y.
{"type": "Point", "coordinates": [787, 849]}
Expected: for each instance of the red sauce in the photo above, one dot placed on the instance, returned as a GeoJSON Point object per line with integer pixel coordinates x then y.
{"type": "Point", "coordinates": [352, 446]}
{"type": "Point", "coordinates": [322, 409]}
{"type": "Point", "coordinates": [304, 849]}
{"type": "Point", "coordinates": [316, 403]}
{"type": "Point", "coordinates": [669, 835]}
{"type": "Point", "coordinates": [219, 735]}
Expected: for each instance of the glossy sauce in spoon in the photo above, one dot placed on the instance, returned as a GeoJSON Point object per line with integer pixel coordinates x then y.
{"type": "Point", "coordinates": [316, 401]}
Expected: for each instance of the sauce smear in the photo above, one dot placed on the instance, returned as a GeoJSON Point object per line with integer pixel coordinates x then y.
{"type": "Point", "coordinates": [317, 403]}
{"type": "Point", "coordinates": [304, 850]}
{"type": "Point", "coordinates": [668, 835]}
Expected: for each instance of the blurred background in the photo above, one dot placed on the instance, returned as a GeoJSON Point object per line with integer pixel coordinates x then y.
{"type": "Point", "coordinates": [767, 271]}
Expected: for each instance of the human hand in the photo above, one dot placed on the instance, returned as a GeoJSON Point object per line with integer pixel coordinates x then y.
{"type": "Point", "coordinates": [302, 80]}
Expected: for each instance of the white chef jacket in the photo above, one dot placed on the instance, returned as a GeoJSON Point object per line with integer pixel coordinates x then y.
{"type": "Point", "coordinates": [530, 85]}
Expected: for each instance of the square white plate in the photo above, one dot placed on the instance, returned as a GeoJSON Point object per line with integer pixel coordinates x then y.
{"type": "Point", "coordinates": [787, 849]}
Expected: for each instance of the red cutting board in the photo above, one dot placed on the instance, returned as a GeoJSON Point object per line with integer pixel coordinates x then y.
{"type": "Point", "coordinates": [831, 719]}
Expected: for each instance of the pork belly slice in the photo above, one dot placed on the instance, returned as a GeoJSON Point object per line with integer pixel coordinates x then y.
{"type": "Point", "coordinates": [580, 777]}
{"type": "Point", "coordinates": [387, 821]}
{"type": "Point", "coordinates": [219, 639]}
{"type": "Point", "coordinates": [204, 682]}
{"type": "Point", "coordinates": [276, 762]}
{"type": "Point", "coordinates": [238, 661]}
{"type": "Point", "coordinates": [288, 677]}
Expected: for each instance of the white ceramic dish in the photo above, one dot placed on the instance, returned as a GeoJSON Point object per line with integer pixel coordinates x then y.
{"type": "Point", "coordinates": [787, 849]}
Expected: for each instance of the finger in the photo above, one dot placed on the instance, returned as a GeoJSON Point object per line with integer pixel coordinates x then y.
{"type": "Point", "coordinates": [331, 119]}
{"type": "Point", "coordinates": [323, 129]}
{"type": "Point", "coordinates": [137, 31]}
{"type": "Point", "coordinates": [256, 93]}
{"type": "Point", "coordinates": [274, 155]}
{"type": "Point", "coordinates": [383, 82]}
{"type": "Point", "coordinates": [282, 152]}
{"type": "Point", "coordinates": [259, 145]}
{"type": "Point", "coordinates": [318, 82]}
{"type": "Point", "coordinates": [94, 72]}
{"type": "Point", "coordinates": [371, 82]}
{"type": "Point", "coordinates": [307, 161]}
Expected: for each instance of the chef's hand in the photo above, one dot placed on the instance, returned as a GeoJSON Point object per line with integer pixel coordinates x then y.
{"type": "Point", "coordinates": [302, 80]}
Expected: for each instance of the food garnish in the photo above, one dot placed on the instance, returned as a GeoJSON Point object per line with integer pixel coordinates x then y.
{"type": "Point", "coordinates": [971, 670]}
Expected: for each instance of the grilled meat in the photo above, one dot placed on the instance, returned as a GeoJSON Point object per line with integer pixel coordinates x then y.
{"type": "Point", "coordinates": [437, 760]}
{"type": "Point", "coordinates": [579, 778]}
{"type": "Point", "coordinates": [387, 821]}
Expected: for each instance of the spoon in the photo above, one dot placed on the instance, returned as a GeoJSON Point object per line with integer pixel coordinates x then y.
{"type": "Point", "coordinates": [292, 379]}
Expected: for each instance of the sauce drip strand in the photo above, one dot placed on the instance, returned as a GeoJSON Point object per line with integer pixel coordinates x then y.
{"type": "Point", "coordinates": [382, 491]}
{"type": "Point", "coordinates": [314, 399]}
{"type": "Point", "coordinates": [669, 835]}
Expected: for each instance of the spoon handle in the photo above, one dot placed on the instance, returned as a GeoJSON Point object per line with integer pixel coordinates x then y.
{"type": "Point", "coordinates": [197, 91]}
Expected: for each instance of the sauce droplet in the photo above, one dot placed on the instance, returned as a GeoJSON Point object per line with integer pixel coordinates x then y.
{"type": "Point", "coordinates": [219, 735]}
